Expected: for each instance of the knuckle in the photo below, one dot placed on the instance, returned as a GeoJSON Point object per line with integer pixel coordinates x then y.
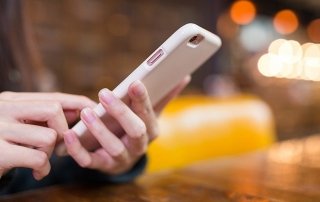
{"type": "Point", "coordinates": [55, 108]}
{"type": "Point", "coordinates": [40, 160]}
{"type": "Point", "coordinates": [51, 137]}
{"type": "Point", "coordinates": [118, 152]}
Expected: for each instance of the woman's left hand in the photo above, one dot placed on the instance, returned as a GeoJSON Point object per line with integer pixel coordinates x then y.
{"type": "Point", "coordinates": [117, 154]}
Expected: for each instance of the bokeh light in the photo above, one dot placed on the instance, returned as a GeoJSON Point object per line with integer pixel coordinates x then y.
{"type": "Point", "coordinates": [311, 62]}
{"type": "Point", "coordinates": [275, 46]}
{"type": "Point", "coordinates": [313, 30]}
{"type": "Point", "coordinates": [242, 12]}
{"type": "Point", "coordinates": [285, 22]}
{"type": "Point", "coordinates": [270, 65]}
{"type": "Point", "coordinates": [289, 59]}
{"type": "Point", "coordinates": [290, 52]}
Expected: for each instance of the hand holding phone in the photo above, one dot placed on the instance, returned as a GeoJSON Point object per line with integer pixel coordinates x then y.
{"type": "Point", "coordinates": [181, 54]}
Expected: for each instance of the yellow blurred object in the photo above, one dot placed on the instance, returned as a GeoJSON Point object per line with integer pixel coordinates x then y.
{"type": "Point", "coordinates": [194, 128]}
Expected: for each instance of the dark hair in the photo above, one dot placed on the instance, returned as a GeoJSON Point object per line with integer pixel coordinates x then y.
{"type": "Point", "coordinates": [20, 67]}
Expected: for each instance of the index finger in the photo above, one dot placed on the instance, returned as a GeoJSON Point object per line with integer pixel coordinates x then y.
{"type": "Point", "coordinates": [49, 112]}
{"type": "Point", "coordinates": [67, 101]}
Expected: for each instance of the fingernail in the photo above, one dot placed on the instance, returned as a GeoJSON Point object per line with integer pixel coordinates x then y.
{"type": "Point", "coordinates": [106, 96]}
{"type": "Point", "coordinates": [88, 115]}
{"type": "Point", "coordinates": [138, 89]}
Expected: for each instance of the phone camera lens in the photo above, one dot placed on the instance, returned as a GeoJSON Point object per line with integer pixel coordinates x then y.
{"type": "Point", "coordinates": [195, 40]}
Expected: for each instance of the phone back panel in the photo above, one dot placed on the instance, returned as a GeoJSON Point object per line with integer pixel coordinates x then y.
{"type": "Point", "coordinates": [179, 60]}
{"type": "Point", "coordinates": [179, 57]}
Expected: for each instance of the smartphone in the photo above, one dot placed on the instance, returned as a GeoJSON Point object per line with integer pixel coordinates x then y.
{"type": "Point", "coordinates": [181, 54]}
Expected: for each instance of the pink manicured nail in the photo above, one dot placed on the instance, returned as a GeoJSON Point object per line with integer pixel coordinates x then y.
{"type": "Point", "coordinates": [106, 96]}
{"type": "Point", "coordinates": [88, 115]}
{"type": "Point", "coordinates": [138, 88]}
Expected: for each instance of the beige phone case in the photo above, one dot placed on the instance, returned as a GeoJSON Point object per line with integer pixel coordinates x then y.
{"type": "Point", "coordinates": [181, 54]}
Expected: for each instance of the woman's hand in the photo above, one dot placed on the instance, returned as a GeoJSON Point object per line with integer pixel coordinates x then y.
{"type": "Point", "coordinates": [117, 153]}
{"type": "Point", "coordinates": [30, 126]}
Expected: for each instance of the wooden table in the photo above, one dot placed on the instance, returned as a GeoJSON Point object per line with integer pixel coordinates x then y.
{"type": "Point", "coordinates": [289, 171]}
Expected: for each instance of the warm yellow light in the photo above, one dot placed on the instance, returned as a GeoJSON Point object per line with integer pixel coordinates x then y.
{"type": "Point", "coordinates": [297, 71]}
{"type": "Point", "coordinates": [311, 72]}
{"type": "Point", "coordinates": [288, 153]}
{"type": "Point", "coordinates": [263, 65]}
{"type": "Point", "coordinates": [269, 65]}
{"type": "Point", "coordinates": [289, 59]}
{"type": "Point", "coordinates": [285, 21]}
{"type": "Point", "coordinates": [242, 12]}
{"type": "Point", "coordinates": [275, 46]}
{"type": "Point", "coordinates": [311, 62]}
{"type": "Point", "coordinates": [286, 71]}
{"type": "Point", "coordinates": [312, 50]}
{"type": "Point", "coordinates": [290, 52]}
{"type": "Point", "coordinates": [305, 46]}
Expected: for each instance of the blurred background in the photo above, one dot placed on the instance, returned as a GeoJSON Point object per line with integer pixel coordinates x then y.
{"type": "Point", "coordinates": [270, 49]}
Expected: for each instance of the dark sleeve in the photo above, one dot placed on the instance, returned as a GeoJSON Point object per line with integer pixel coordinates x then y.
{"type": "Point", "coordinates": [5, 181]}
{"type": "Point", "coordinates": [66, 171]}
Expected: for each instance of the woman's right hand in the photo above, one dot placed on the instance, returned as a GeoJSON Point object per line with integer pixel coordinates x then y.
{"type": "Point", "coordinates": [30, 126]}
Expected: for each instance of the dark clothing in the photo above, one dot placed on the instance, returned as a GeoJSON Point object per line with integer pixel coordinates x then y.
{"type": "Point", "coordinates": [64, 170]}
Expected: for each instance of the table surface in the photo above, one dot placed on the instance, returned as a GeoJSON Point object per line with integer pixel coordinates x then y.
{"type": "Point", "coordinates": [288, 171]}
